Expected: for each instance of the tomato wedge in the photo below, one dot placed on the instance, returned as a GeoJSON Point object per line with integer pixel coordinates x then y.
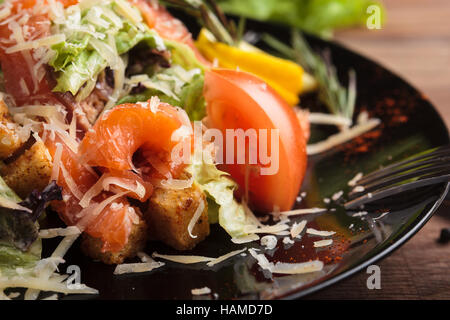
{"type": "Point", "coordinates": [239, 100]}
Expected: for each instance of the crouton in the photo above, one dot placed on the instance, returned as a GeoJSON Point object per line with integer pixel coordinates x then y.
{"type": "Point", "coordinates": [30, 171]}
{"type": "Point", "coordinates": [9, 138]}
{"type": "Point", "coordinates": [92, 247]}
{"type": "Point", "coordinates": [169, 214]}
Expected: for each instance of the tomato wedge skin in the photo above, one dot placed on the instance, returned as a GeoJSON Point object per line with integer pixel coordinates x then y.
{"type": "Point", "coordinates": [239, 100]}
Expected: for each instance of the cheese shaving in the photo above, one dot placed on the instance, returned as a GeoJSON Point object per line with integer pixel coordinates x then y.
{"type": "Point", "coordinates": [329, 119]}
{"type": "Point", "coordinates": [58, 232]}
{"type": "Point", "coordinates": [40, 284]}
{"type": "Point", "coordinates": [354, 181]}
{"type": "Point", "coordinates": [297, 268]}
{"type": "Point", "coordinates": [323, 243]}
{"type": "Point", "coordinates": [266, 229]}
{"type": "Point", "coordinates": [297, 228]}
{"type": "Point", "coordinates": [176, 184]}
{"type": "Point", "coordinates": [270, 242]}
{"type": "Point", "coordinates": [342, 137]}
{"type": "Point", "coordinates": [137, 267]}
{"type": "Point", "coordinates": [315, 232]}
{"type": "Point", "coordinates": [73, 187]}
{"type": "Point", "coordinates": [182, 259]}
{"type": "Point", "coordinates": [34, 44]}
{"type": "Point", "coordinates": [201, 291]}
{"type": "Point", "coordinates": [225, 257]}
{"type": "Point", "coordinates": [144, 257]}
{"type": "Point", "coordinates": [286, 268]}
{"type": "Point", "coordinates": [245, 239]}
{"type": "Point", "coordinates": [301, 212]}
{"type": "Point", "coordinates": [198, 212]}
{"type": "Point", "coordinates": [4, 202]}
{"type": "Point", "coordinates": [56, 162]}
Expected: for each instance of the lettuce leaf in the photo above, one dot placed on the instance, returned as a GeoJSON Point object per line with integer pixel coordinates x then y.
{"type": "Point", "coordinates": [11, 258]}
{"type": "Point", "coordinates": [19, 243]}
{"type": "Point", "coordinates": [18, 228]}
{"type": "Point", "coordinates": [183, 55]}
{"type": "Point", "coordinates": [86, 65]}
{"type": "Point", "coordinates": [222, 206]}
{"type": "Point", "coordinates": [76, 61]}
{"type": "Point", "coordinates": [315, 16]}
{"type": "Point", "coordinates": [188, 96]}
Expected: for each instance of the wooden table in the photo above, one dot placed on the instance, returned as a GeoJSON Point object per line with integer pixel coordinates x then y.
{"type": "Point", "coordinates": [415, 43]}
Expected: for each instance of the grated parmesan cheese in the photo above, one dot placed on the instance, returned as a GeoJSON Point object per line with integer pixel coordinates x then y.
{"type": "Point", "coordinates": [137, 267]}
{"type": "Point", "coordinates": [266, 229]}
{"type": "Point", "coordinates": [354, 181]}
{"type": "Point", "coordinates": [4, 202]}
{"type": "Point", "coordinates": [201, 291]}
{"type": "Point", "coordinates": [225, 257]}
{"type": "Point", "coordinates": [198, 212]}
{"type": "Point", "coordinates": [270, 242]}
{"type": "Point", "coordinates": [286, 268]}
{"type": "Point", "coordinates": [315, 232]}
{"type": "Point", "coordinates": [360, 214]}
{"type": "Point", "coordinates": [245, 239]}
{"type": "Point", "coordinates": [358, 189]}
{"type": "Point", "coordinates": [302, 212]}
{"type": "Point", "coordinates": [323, 243]}
{"type": "Point", "coordinates": [297, 228]}
{"type": "Point", "coordinates": [182, 259]}
{"type": "Point", "coordinates": [58, 232]}
{"type": "Point", "coordinates": [329, 119]}
{"type": "Point", "coordinates": [34, 44]}
{"type": "Point", "coordinates": [342, 137]}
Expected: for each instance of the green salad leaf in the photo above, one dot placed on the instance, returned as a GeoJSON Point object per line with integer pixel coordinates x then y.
{"type": "Point", "coordinates": [18, 226]}
{"type": "Point", "coordinates": [222, 206]}
{"type": "Point", "coordinates": [95, 38]}
{"type": "Point", "coordinates": [20, 246]}
{"type": "Point", "coordinates": [175, 86]}
{"type": "Point", "coordinates": [19, 243]}
{"type": "Point", "coordinates": [11, 258]}
{"type": "Point", "coordinates": [183, 55]}
{"type": "Point", "coordinates": [315, 16]}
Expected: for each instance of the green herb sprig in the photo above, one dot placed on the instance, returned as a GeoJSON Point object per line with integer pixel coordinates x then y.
{"type": "Point", "coordinates": [212, 18]}
{"type": "Point", "coordinates": [340, 100]}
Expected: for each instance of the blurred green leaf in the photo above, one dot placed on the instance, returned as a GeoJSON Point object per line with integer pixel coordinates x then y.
{"type": "Point", "coordinates": [319, 17]}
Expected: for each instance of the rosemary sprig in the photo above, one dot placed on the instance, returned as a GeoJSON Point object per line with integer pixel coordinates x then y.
{"type": "Point", "coordinates": [339, 100]}
{"type": "Point", "coordinates": [212, 18]}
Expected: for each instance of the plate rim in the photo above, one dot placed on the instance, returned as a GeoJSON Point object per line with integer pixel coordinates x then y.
{"type": "Point", "coordinates": [381, 255]}
{"type": "Point", "coordinates": [417, 225]}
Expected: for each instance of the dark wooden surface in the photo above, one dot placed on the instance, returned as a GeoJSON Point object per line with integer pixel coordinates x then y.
{"type": "Point", "coordinates": [415, 43]}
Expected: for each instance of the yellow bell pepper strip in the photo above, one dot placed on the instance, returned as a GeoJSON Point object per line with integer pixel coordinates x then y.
{"type": "Point", "coordinates": [284, 76]}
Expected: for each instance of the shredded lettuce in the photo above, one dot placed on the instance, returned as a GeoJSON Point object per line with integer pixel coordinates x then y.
{"type": "Point", "coordinates": [222, 206]}
{"type": "Point", "coordinates": [78, 59]}
{"type": "Point", "coordinates": [177, 87]}
{"type": "Point", "coordinates": [183, 55]}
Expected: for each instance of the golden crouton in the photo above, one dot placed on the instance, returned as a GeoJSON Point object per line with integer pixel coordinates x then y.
{"type": "Point", "coordinates": [92, 247]}
{"type": "Point", "coordinates": [30, 171]}
{"type": "Point", "coordinates": [9, 139]}
{"type": "Point", "coordinates": [169, 214]}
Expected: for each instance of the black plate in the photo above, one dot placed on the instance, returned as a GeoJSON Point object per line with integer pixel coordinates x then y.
{"type": "Point", "coordinates": [410, 124]}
